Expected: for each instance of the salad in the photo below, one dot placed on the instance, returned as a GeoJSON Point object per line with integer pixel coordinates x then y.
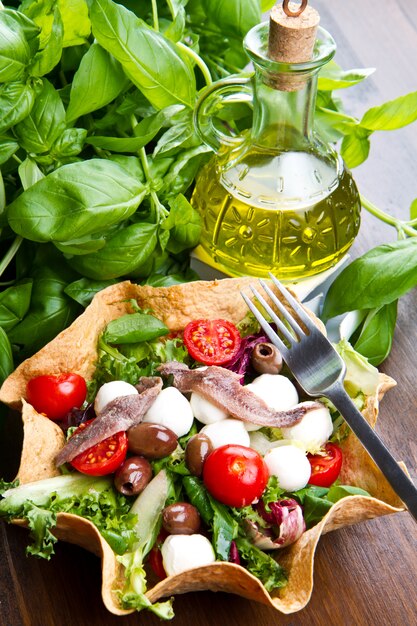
{"type": "Point", "coordinates": [186, 443]}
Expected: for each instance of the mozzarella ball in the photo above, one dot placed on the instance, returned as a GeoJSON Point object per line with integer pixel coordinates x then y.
{"type": "Point", "coordinates": [184, 552]}
{"type": "Point", "coordinates": [313, 430]}
{"type": "Point", "coordinates": [227, 431]}
{"type": "Point", "coordinates": [172, 410]}
{"type": "Point", "coordinates": [204, 411]}
{"type": "Point", "coordinates": [275, 390]}
{"type": "Point", "coordinates": [110, 391]}
{"type": "Point", "coordinates": [290, 465]}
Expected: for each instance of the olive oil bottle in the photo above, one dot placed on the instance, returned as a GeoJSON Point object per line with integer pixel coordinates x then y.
{"type": "Point", "coordinates": [248, 231]}
{"type": "Point", "coordinates": [276, 199]}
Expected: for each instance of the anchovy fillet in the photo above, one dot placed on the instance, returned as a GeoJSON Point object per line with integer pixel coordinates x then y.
{"type": "Point", "coordinates": [118, 415]}
{"type": "Point", "coordinates": [222, 387]}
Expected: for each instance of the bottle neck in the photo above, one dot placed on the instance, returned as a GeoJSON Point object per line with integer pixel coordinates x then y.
{"type": "Point", "coordinates": [283, 110]}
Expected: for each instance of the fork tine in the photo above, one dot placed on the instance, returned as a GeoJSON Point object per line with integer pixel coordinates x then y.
{"type": "Point", "coordinates": [286, 314]}
{"type": "Point", "coordinates": [265, 326]}
{"type": "Point", "coordinates": [282, 328]}
{"type": "Point", "coordinates": [293, 302]}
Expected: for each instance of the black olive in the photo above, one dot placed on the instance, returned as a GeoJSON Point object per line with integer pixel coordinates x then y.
{"type": "Point", "coordinates": [266, 358]}
{"type": "Point", "coordinates": [197, 450]}
{"type": "Point", "coordinates": [133, 475]}
{"type": "Point", "coordinates": [151, 440]}
{"type": "Point", "coordinates": [181, 518]}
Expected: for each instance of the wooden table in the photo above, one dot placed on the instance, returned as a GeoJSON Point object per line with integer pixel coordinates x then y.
{"type": "Point", "coordinates": [366, 574]}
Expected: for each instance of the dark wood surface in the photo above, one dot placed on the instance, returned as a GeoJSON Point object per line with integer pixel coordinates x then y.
{"type": "Point", "coordinates": [366, 574]}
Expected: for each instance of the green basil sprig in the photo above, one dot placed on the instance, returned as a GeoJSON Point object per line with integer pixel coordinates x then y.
{"type": "Point", "coordinates": [373, 283]}
{"type": "Point", "coordinates": [134, 328]}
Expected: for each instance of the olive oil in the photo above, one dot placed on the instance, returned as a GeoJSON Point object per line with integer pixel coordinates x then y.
{"type": "Point", "coordinates": [290, 213]}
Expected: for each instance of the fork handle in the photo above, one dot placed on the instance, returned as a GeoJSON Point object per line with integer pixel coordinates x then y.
{"type": "Point", "coordinates": [398, 479]}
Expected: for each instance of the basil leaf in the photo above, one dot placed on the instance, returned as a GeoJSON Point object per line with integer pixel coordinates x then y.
{"type": "Point", "coordinates": [158, 280]}
{"type": "Point", "coordinates": [51, 310]}
{"type": "Point", "coordinates": [332, 125]}
{"type": "Point", "coordinates": [183, 170]}
{"type": "Point", "coordinates": [413, 210]}
{"type": "Point", "coordinates": [314, 509]}
{"type": "Point", "coordinates": [151, 61]}
{"type": "Point", "coordinates": [225, 529]}
{"type": "Point", "coordinates": [46, 59]}
{"type": "Point", "coordinates": [14, 304]}
{"type": "Point", "coordinates": [6, 357]}
{"type": "Point", "coordinates": [46, 121]}
{"type": "Point", "coordinates": [70, 143]}
{"type": "Point", "coordinates": [333, 77]}
{"type": "Point", "coordinates": [337, 492]}
{"type": "Point", "coordinates": [176, 5]}
{"type": "Point", "coordinates": [118, 144]}
{"type": "Point", "coordinates": [237, 16]}
{"type": "Point", "coordinates": [122, 254]}
{"type": "Point", "coordinates": [82, 245]}
{"type": "Point", "coordinates": [8, 146]}
{"type": "Point", "coordinates": [84, 289]}
{"type": "Point", "coordinates": [180, 135]}
{"type": "Point", "coordinates": [16, 102]}
{"type": "Point", "coordinates": [266, 5]}
{"type": "Point", "coordinates": [392, 115]}
{"type": "Point", "coordinates": [355, 146]}
{"type": "Point", "coordinates": [83, 198]}
{"type": "Point", "coordinates": [175, 30]}
{"type": "Point", "coordinates": [98, 80]}
{"type": "Point", "coordinates": [131, 164]}
{"type": "Point", "coordinates": [18, 43]}
{"type": "Point", "coordinates": [134, 328]}
{"type": "Point", "coordinates": [184, 224]}
{"type": "Point", "coordinates": [74, 16]}
{"type": "Point", "coordinates": [151, 125]}
{"type": "Point", "coordinates": [29, 173]}
{"type": "Point", "coordinates": [378, 277]}
{"type": "Point", "coordinates": [199, 497]}
{"type": "Point", "coordinates": [311, 490]}
{"type": "Point", "coordinates": [375, 339]}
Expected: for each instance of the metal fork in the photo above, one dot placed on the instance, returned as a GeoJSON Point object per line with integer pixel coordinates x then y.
{"type": "Point", "coordinates": [320, 371]}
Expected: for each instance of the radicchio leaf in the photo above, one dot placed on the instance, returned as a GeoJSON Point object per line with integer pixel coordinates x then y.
{"type": "Point", "coordinates": [241, 364]}
{"type": "Point", "coordinates": [286, 521]}
{"type": "Point", "coordinates": [234, 553]}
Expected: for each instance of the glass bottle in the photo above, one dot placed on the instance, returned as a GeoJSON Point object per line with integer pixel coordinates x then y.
{"type": "Point", "coordinates": [276, 198]}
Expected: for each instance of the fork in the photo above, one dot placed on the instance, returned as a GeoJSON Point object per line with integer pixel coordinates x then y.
{"type": "Point", "coordinates": [320, 371]}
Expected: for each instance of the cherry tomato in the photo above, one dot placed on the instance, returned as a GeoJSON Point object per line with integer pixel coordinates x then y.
{"type": "Point", "coordinates": [325, 468]}
{"type": "Point", "coordinates": [235, 475]}
{"type": "Point", "coordinates": [56, 395]}
{"type": "Point", "coordinates": [212, 342]}
{"type": "Point", "coordinates": [155, 556]}
{"type": "Point", "coordinates": [156, 563]}
{"type": "Point", "coordinates": [103, 458]}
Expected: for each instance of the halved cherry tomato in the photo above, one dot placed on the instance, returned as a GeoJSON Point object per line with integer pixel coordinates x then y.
{"type": "Point", "coordinates": [103, 458]}
{"type": "Point", "coordinates": [235, 475]}
{"type": "Point", "coordinates": [56, 395]}
{"type": "Point", "coordinates": [155, 556]}
{"type": "Point", "coordinates": [212, 342]}
{"type": "Point", "coordinates": [156, 563]}
{"type": "Point", "coordinates": [325, 468]}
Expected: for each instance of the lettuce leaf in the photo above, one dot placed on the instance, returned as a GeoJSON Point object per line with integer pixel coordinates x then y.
{"type": "Point", "coordinates": [261, 565]}
{"type": "Point", "coordinates": [90, 497]}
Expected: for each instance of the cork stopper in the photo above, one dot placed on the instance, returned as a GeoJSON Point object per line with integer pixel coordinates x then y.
{"type": "Point", "coordinates": [292, 34]}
